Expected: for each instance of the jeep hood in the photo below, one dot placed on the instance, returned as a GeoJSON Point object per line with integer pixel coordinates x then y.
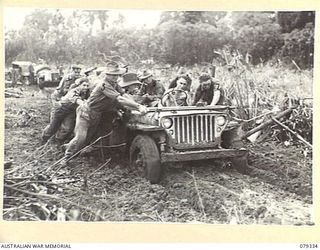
{"type": "Point", "coordinates": [191, 108]}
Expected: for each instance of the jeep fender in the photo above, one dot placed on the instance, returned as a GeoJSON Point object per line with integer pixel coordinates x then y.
{"type": "Point", "coordinates": [157, 133]}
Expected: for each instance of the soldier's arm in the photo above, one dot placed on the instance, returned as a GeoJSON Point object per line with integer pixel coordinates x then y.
{"type": "Point", "coordinates": [79, 81]}
{"type": "Point", "coordinates": [127, 96]}
{"type": "Point", "coordinates": [216, 97]}
{"type": "Point", "coordinates": [61, 83]}
{"type": "Point", "coordinates": [121, 98]}
{"type": "Point", "coordinates": [131, 104]}
{"type": "Point", "coordinates": [216, 93]}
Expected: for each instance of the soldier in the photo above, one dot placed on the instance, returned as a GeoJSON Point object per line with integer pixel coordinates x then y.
{"type": "Point", "coordinates": [132, 86]}
{"type": "Point", "coordinates": [181, 73]}
{"type": "Point", "coordinates": [66, 82]}
{"type": "Point", "coordinates": [88, 77]}
{"type": "Point", "coordinates": [64, 85]}
{"type": "Point", "coordinates": [106, 96]}
{"type": "Point", "coordinates": [65, 109]}
{"type": "Point", "coordinates": [178, 96]}
{"type": "Point", "coordinates": [208, 92]}
{"type": "Point", "coordinates": [151, 89]}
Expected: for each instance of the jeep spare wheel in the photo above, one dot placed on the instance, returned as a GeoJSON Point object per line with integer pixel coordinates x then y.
{"type": "Point", "coordinates": [145, 158]}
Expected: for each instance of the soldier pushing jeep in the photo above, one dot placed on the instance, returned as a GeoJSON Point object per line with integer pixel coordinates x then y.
{"type": "Point", "coordinates": [106, 96]}
{"type": "Point", "coordinates": [66, 109]}
{"type": "Point", "coordinates": [63, 88]}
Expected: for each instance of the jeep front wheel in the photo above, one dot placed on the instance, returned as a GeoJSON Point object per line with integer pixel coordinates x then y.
{"type": "Point", "coordinates": [145, 158]}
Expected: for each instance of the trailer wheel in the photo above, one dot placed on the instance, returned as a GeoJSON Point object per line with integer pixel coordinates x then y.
{"type": "Point", "coordinates": [145, 158]}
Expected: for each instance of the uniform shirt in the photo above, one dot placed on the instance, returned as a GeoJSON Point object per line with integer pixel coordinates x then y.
{"type": "Point", "coordinates": [104, 96]}
{"type": "Point", "coordinates": [206, 96]}
{"type": "Point", "coordinates": [65, 84]}
{"type": "Point", "coordinates": [69, 101]}
{"type": "Point", "coordinates": [153, 88]}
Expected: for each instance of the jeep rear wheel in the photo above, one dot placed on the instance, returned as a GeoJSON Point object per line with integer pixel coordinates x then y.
{"type": "Point", "coordinates": [145, 158]}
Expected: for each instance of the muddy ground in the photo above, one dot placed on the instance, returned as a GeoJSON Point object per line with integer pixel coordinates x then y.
{"type": "Point", "coordinates": [278, 189]}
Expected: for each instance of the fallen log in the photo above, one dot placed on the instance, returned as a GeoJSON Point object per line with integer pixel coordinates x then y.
{"type": "Point", "coordinates": [267, 123]}
{"type": "Point", "coordinates": [292, 132]}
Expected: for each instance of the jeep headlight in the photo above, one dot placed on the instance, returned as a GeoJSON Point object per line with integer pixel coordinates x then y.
{"type": "Point", "coordinates": [166, 122]}
{"type": "Point", "coordinates": [221, 120]}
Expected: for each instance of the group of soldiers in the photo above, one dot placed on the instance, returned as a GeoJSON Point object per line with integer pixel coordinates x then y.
{"type": "Point", "coordinates": [79, 102]}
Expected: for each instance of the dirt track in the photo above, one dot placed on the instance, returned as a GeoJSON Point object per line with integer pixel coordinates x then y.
{"type": "Point", "coordinates": [278, 189]}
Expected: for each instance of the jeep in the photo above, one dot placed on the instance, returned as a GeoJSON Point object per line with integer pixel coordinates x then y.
{"type": "Point", "coordinates": [179, 134]}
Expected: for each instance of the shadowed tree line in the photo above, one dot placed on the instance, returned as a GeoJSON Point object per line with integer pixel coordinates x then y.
{"type": "Point", "coordinates": [181, 37]}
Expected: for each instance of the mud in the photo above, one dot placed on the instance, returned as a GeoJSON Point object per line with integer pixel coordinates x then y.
{"type": "Point", "coordinates": [277, 190]}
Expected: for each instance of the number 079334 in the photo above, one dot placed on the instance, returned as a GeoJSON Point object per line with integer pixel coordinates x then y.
{"type": "Point", "coordinates": [308, 246]}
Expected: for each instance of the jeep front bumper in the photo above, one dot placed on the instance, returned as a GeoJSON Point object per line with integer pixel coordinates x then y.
{"type": "Point", "coordinates": [202, 155]}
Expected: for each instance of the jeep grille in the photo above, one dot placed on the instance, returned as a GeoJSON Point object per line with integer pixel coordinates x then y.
{"type": "Point", "coordinates": [193, 129]}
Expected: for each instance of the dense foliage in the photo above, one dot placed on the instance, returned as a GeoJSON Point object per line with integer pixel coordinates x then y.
{"type": "Point", "coordinates": [181, 37]}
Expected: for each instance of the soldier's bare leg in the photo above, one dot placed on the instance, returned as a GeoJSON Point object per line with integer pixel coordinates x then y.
{"type": "Point", "coordinates": [79, 140]}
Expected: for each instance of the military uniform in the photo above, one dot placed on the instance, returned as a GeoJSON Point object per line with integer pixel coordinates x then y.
{"type": "Point", "coordinates": [64, 110]}
{"type": "Point", "coordinates": [152, 92]}
{"type": "Point", "coordinates": [102, 99]}
{"type": "Point", "coordinates": [65, 84]}
{"type": "Point", "coordinates": [206, 95]}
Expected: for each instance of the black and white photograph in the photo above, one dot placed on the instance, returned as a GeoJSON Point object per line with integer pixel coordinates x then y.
{"type": "Point", "coordinates": [158, 116]}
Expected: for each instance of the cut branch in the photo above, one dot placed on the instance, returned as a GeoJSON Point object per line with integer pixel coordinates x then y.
{"type": "Point", "coordinates": [292, 132]}
{"type": "Point", "coordinates": [48, 196]}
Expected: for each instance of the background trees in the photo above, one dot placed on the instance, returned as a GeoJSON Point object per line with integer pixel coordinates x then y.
{"type": "Point", "coordinates": [181, 37]}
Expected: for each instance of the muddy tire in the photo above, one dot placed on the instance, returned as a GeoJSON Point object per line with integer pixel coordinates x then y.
{"type": "Point", "coordinates": [241, 164]}
{"type": "Point", "coordinates": [145, 158]}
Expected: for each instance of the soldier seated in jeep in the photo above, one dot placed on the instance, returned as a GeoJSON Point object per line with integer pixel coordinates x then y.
{"type": "Point", "coordinates": [177, 96]}
{"type": "Point", "coordinates": [151, 90]}
{"type": "Point", "coordinates": [208, 92]}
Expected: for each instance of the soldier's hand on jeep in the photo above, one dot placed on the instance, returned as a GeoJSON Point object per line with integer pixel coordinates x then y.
{"type": "Point", "coordinates": [201, 104]}
{"type": "Point", "coordinates": [143, 109]}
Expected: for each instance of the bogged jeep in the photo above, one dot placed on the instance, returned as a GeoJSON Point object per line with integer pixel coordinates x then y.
{"type": "Point", "coordinates": [180, 134]}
